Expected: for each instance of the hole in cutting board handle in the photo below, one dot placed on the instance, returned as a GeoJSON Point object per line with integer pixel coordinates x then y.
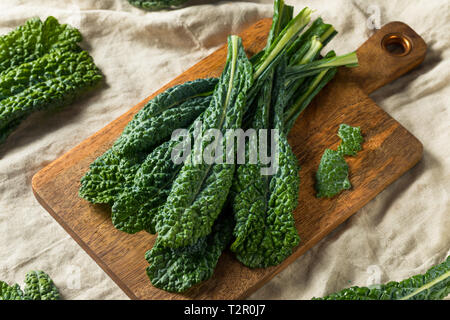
{"type": "Point", "coordinates": [396, 44]}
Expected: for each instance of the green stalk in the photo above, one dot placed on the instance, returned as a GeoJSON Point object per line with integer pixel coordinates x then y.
{"type": "Point", "coordinates": [311, 89]}
{"type": "Point", "coordinates": [284, 40]}
{"type": "Point", "coordinates": [315, 67]}
{"type": "Point", "coordinates": [326, 32]}
{"type": "Point", "coordinates": [314, 49]}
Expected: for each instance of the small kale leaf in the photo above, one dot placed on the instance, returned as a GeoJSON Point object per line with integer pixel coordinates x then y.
{"type": "Point", "coordinates": [351, 140]}
{"type": "Point", "coordinates": [332, 175]}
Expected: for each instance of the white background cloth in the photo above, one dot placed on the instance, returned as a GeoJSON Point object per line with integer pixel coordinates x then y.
{"type": "Point", "coordinates": [403, 231]}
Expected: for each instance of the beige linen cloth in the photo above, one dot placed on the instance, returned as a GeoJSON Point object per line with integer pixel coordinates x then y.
{"type": "Point", "coordinates": [402, 232]}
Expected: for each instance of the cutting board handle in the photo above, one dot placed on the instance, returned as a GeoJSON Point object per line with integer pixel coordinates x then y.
{"type": "Point", "coordinates": [391, 52]}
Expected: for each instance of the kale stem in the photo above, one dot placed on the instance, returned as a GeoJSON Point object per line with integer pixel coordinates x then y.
{"type": "Point", "coordinates": [315, 67]}
{"type": "Point", "coordinates": [285, 38]}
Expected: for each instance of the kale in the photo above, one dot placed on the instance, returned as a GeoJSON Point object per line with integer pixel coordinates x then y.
{"type": "Point", "coordinates": [433, 285]}
{"type": "Point", "coordinates": [182, 202]}
{"type": "Point", "coordinates": [156, 4]}
{"type": "Point", "coordinates": [199, 191]}
{"type": "Point", "coordinates": [113, 173]}
{"type": "Point", "coordinates": [136, 207]}
{"type": "Point", "coordinates": [265, 230]}
{"type": "Point", "coordinates": [351, 140]}
{"type": "Point", "coordinates": [108, 176]}
{"type": "Point", "coordinates": [178, 269]}
{"type": "Point", "coordinates": [39, 286]}
{"type": "Point", "coordinates": [34, 39]}
{"type": "Point", "coordinates": [10, 292]}
{"type": "Point", "coordinates": [175, 108]}
{"type": "Point", "coordinates": [332, 175]}
{"type": "Point", "coordinates": [41, 67]}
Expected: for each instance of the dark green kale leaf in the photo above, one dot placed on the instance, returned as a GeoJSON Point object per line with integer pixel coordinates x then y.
{"type": "Point", "coordinates": [34, 39]}
{"type": "Point", "coordinates": [332, 175]}
{"type": "Point", "coordinates": [108, 176]}
{"type": "Point", "coordinates": [55, 64]}
{"type": "Point", "coordinates": [265, 229]}
{"type": "Point", "coordinates": [178, 269]}
{"type": "Point", "coordinates": [41, 67]}
{"type": "Point", "coordinates": [175, 108]}
{"type": "Point", "coordinates": [39, 286]}
{"type": "Point", "coordinates": [113, 173]}
{"type": "Point", "coordinates": [58, 90]}
{"type": "Point", "coordinates": [433, 285]}
{"type": "Point", "coordinates": [136, 207]}
{"type": "Point", "coordinates": [351, 140]}
{"type": "Point", "coordinates": [200, 190]}
{"type": "Point", "coordinates": [156, 4]}
{"type": "Point", "coordinates": [10, 292]}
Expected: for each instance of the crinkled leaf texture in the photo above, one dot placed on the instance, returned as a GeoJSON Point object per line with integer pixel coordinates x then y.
{"type": "Point", "coordinates": [200, 190]}
{"type": "Point", "coordinates": [433, 285]}
{"type": "Point", "coordinates": [112, 174]}
{"type": "Point", "coordinates": [178, 269]}
{"type": "Point", "coordinates": [108, 175]}
{"type": "Point", "coordinates": [10, 292]}
{"type": "Point", "coordinates": [156, 4]}
{"type": "Point", "coordinates": [41, 67]}
{"type": "Point", "coordinates": [136, 207]}
{"type": "Point", "coordinates": [39, 286]}
{"type": "Point", "coordinates": [265, 231]}
{"type": "Point", "coordinates": [351, 140]}
{"type": "Point", "coordinates": [175, 108]}
{"type": "Point", "coordinates": [332, 175]}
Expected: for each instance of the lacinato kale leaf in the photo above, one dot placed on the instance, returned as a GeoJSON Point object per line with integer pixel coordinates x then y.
{"type": "Point", "coordinates": [10, 292]}
{"type": "Point", "coordinates": [156, 4]}
{"type": "Point", "coordinates": [265, 230]}
{"type": "Point", "coordinates": [113, 173]}
{"type": "Point", "coordinates": [41, 67]}
{"type": "Point", "coordinates": [175, 108]}
{"type": "Point", "coordinates": [34, 39]}
{"type": "Point", "coordinates": [351, 140]}
{"type": "Point", "coordinates": [108, 176]}
{"type": "Point", "coordinates": [58, 90]}
{"type": "Point", "coordinates": [178, 269]}
{"type": "Point", "coordinates": [200, 190]}
{"type": "Point", "coordinates": [433, 285]}
{"type": "Point", "coordinates": [39, 286]}
{"type": "Point", "coordinates": [136, 207]}
{"type": "Point", "coordinates": [332, 175]}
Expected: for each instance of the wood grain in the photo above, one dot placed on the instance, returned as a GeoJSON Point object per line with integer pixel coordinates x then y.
{"type": "Point", "coordinates": [388, 152]}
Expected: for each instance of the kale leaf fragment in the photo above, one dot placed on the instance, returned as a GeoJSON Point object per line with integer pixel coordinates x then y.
{"type": "Point", "coordinates": [351, 140]}
{"type": "Point", "coordinates": [332, 175]}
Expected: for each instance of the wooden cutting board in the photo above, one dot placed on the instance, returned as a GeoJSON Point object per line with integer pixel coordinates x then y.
{"type": "Point", "coordinates": [389, 151]}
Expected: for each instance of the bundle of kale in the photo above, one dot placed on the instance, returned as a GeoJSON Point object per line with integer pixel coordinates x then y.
{"type": "Point", "coordinates": [188, 204]}
{"type": "Point", "coordinates": [41, 67]}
